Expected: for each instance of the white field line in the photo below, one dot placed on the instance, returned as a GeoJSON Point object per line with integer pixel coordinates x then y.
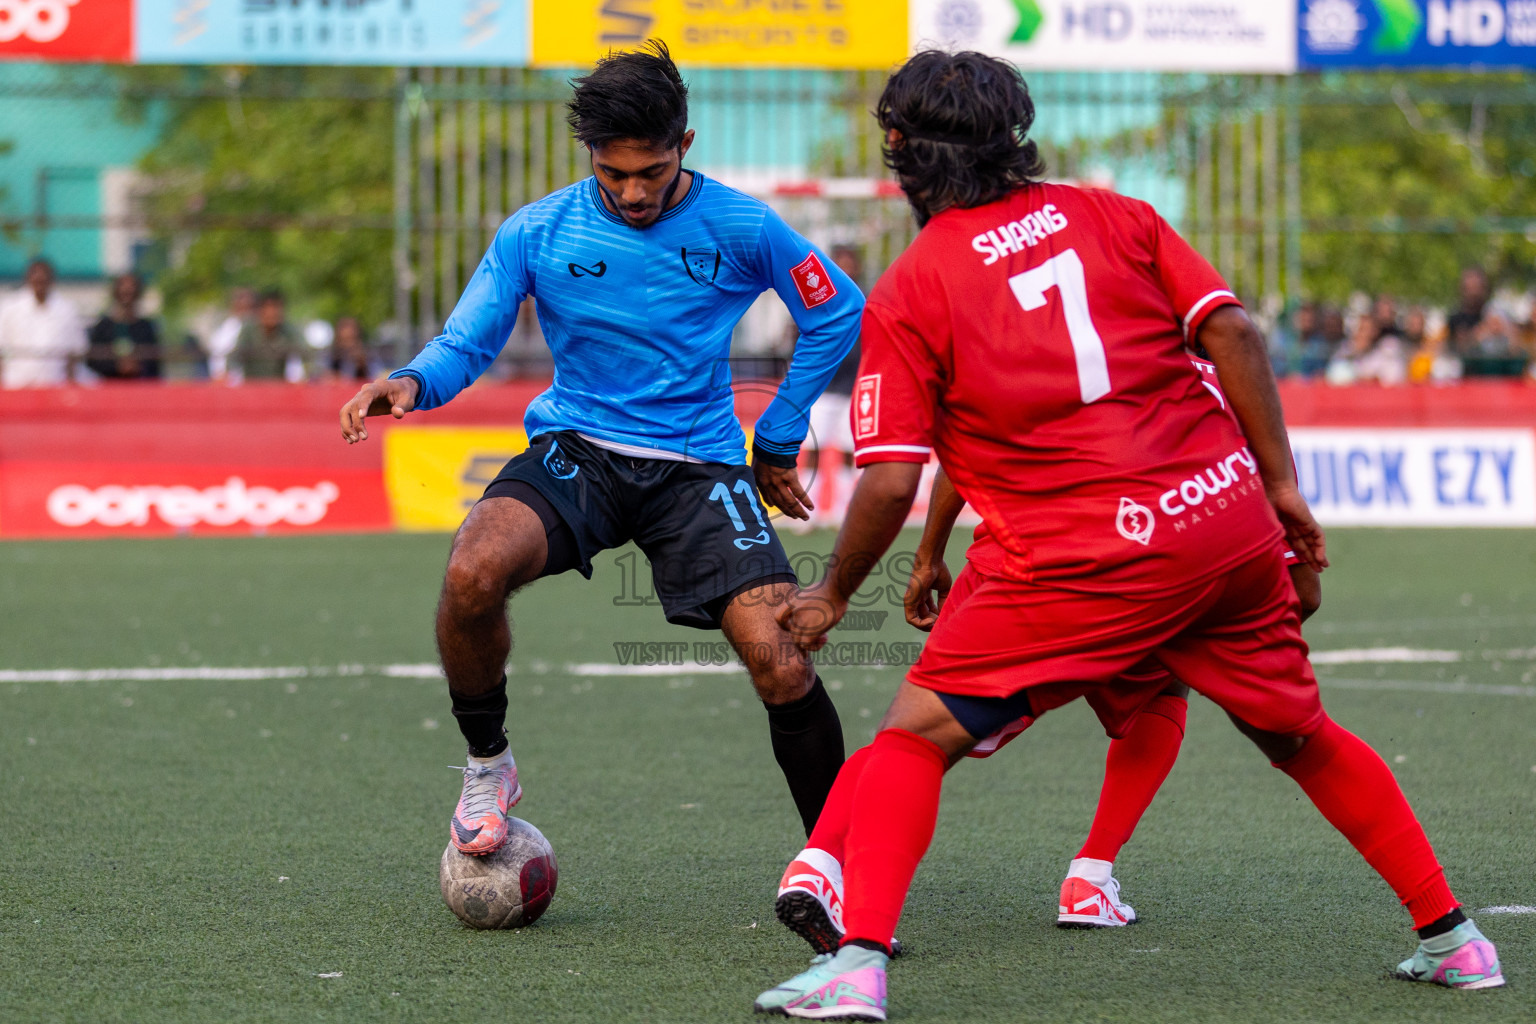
{"type": "Point", "coordinates": [1427, 686]}
{"type": "Point", "coordinates": [599, 668]}
{"type": "Point", "coordinates": [1518, 908]}
{"type": "Point", "coordinates": [214, 674]}
{"type": "Point", "coordinates": [245, 673]}
{"type": "Point", "coordinates": [1382, 656]}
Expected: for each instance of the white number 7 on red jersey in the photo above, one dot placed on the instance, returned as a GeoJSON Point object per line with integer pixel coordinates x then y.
{"type": "Point", "coordinates": [1064, 272]}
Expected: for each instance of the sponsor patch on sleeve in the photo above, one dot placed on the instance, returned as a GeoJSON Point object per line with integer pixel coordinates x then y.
{"type": "Point", "coordinates": [866, 407]}
{"type": "Point", "coordinates": [812, 282]}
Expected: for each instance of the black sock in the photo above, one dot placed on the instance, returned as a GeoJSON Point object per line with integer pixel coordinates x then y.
{"type": "Point", "coordinates": [1443, 924]}
{"type": "Point", "coordinates": [869, 944]}
{"type": "Point", "coordinates": [482, 719]}
{"type": "Point", "coordinates": [808, 744]}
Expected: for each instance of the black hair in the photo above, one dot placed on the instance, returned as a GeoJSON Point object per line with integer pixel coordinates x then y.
{"type": "Point", "coordinates": [963, 121]}
{"type": "Point", "coordinates": [631, 94]}
{"type": "Point", "coordinates": [270, 295]}
{"type": "Point", "coordinates": [42, 262]}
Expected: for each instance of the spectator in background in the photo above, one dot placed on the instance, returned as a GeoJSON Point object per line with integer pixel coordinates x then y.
{"type": "Point", "coordinates": [1479, 336]}
{"type": "Point", "coordinates": [268, 348]}
{"type": "Point", "coordinates": [222, 342]}
{"type": "Point", "coordinates": [1379, 351]}
{"type": "Point", "coordinates": [1313, 350]}
{"type": "Point", "coordinates": [350, 359]}
{"type": "Point", "coordinates": [41, 335]}
{"type": "Point", "coordinates": [123, 344]}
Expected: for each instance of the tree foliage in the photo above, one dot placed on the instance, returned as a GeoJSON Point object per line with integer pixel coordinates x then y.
{"type": "Point", "coordinates": [283, 181]}
{"type": "Point", "coordinates": [1408, 178]}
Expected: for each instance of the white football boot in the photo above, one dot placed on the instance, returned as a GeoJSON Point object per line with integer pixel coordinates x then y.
{"type": "Point", "coordinates": [810, 902]}
{"type": "Point", "coordinates": [1090, 897]}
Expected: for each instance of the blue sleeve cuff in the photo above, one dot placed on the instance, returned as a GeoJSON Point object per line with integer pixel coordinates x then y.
{"type": "Point", "coordinates": [421, 384]}
{"type": "Point", "coordinates": [782, 456]}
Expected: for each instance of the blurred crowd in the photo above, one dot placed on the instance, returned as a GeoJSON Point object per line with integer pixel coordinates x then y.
{"type": "Point", "coordinates": [1377, 340]}
{"type": "Point", "coordinates": [46, 342]}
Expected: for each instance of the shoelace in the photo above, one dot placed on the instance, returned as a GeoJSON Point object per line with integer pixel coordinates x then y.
{"type": "Point", "coordinates": [482, 784]}
{"type": "Point", "coordinates": [1112, 890]}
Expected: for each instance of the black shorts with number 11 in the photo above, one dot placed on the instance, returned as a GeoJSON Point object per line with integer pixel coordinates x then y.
{"type": "Point", "coordinates": [701, 524]}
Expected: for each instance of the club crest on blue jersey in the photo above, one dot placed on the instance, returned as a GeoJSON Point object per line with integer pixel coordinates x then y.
{"type": "Point", "coordinates": [702, 264]}
{"type": "Point", "coordinates": [559, 467]}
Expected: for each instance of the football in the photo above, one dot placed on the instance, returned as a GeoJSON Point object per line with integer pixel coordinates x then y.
{"type": "Point", "coordinates": [506, 889]}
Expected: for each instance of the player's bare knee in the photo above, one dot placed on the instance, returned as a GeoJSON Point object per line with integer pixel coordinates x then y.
{"type": "Point", "coordinates": [474, 586]}
{"type": "Point", "coordinates": [779, 676]}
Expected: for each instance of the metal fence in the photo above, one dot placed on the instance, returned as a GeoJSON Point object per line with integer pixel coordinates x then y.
{"type": "Point", "coordinates": [1220, 156]}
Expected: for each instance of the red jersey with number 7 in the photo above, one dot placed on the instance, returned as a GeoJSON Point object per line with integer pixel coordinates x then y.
{"type": "Point", "coordinates": [1037, 345]}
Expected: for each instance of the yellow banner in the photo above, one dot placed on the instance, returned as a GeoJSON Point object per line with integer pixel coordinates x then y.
{"type": "Point", "coordinates": [735, 33]}
{"type": "Point", "coordinates": [434, 474]}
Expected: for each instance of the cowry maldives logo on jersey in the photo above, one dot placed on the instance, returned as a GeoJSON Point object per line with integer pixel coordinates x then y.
{"type": "Point", "coordinates": [702, 264]}
{"type": "Point", "coordinates": [1135, 522]}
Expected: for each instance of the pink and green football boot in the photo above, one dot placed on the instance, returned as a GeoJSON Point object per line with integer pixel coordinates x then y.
{"type": "Point", "coordinates": [479, 823]}
{"type": "Point", "coordinates": [1461, 958]}
{"type": "Point", "coordinates": [846, 985]}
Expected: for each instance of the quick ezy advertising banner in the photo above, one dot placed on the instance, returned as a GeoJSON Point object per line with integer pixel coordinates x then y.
{"type": "Point", "coordinates": [1417, 477]}
{"type": "Point", "coordinates": [1416, 33]}
{"type": "Point", "coordinates": [1255, 36]}
{"type": "Point", "coordinates": [435, 32]}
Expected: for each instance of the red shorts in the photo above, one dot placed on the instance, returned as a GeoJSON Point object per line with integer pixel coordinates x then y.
{"type": "Point", "coordinates": [1235, 638]}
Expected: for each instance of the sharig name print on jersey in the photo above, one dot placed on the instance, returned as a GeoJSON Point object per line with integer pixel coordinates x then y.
{"type": "Point", "coordinates": [1018, 235]}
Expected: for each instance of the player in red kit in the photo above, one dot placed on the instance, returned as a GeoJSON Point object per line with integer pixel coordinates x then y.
{"type": "Point", "coordinates": [1032, 337]}
{"type": "Point", "coordinates": [1141, 753]}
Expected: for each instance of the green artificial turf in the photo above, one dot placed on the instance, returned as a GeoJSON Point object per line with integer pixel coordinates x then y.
{"type": "Point", "coordinates": [206, 850]}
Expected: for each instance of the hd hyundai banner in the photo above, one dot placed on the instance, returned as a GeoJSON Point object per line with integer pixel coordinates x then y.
{"type": "Point", "coordinates": [1122, 35]}
{"type": "Point", "coordinates": [1416, 33]}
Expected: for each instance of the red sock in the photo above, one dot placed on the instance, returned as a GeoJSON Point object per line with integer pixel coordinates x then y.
{"type": "Point", "coordinates": [831, 831]}
{"type": "Point", "coordinates": [1358, 794]}
{"type": "Point", "coordinates": [1135, 768]}
{"type": "Point", "coordinates": [894, 811]}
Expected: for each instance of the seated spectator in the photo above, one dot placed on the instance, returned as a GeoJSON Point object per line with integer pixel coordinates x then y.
{"type": "Point", "coordinates": [1318, 334]}
{"type": "Point", "coordinates": [350, 358]}
{"type": "Point", "coordinates": [1481, 337]}
{"type": "Point", "coordinates": [223, 339]}
{"type": "Point", "coordinates": [41, 336]}
{"type": "Point", "coordinates": [1379, 350]}
{"type": "Point", "coordinates": [268, 348]}
{"type": "Point", "coordinates": [123, 344]}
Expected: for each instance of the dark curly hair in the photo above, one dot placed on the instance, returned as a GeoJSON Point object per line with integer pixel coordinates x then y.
{"type": "Point", "coordinates": [962, 120]}
{"type": "Point", "coordinates": [630, 94]}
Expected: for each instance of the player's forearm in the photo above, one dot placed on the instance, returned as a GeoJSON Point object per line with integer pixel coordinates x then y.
{"type": "Point", "coordinates": [875, 516]}
{"type": "Point", "coordinates": [944, 506]}
{"type": "Point", "coordinates": [1248, 381]}
{"type": "Point", "coordinates": [820, 350]}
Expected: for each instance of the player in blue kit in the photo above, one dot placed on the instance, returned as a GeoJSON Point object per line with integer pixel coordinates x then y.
{"type": "Point", "coordinates": [641, 272]}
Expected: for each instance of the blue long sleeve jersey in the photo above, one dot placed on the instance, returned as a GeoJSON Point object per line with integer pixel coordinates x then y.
{"type": "Point", "coordinates": [639, 320]}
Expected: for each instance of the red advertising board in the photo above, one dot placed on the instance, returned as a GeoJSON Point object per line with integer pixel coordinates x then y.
{"type": "Point", "coordinates": [95, 499]}
{"type": "Point", "coordinates": [99, 30]}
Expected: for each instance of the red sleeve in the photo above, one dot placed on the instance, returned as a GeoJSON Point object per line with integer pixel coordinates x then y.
{"type": "Point", "coordinates": [1190, 282]}
{"type": "Point", "coordinates": [897, 393]}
